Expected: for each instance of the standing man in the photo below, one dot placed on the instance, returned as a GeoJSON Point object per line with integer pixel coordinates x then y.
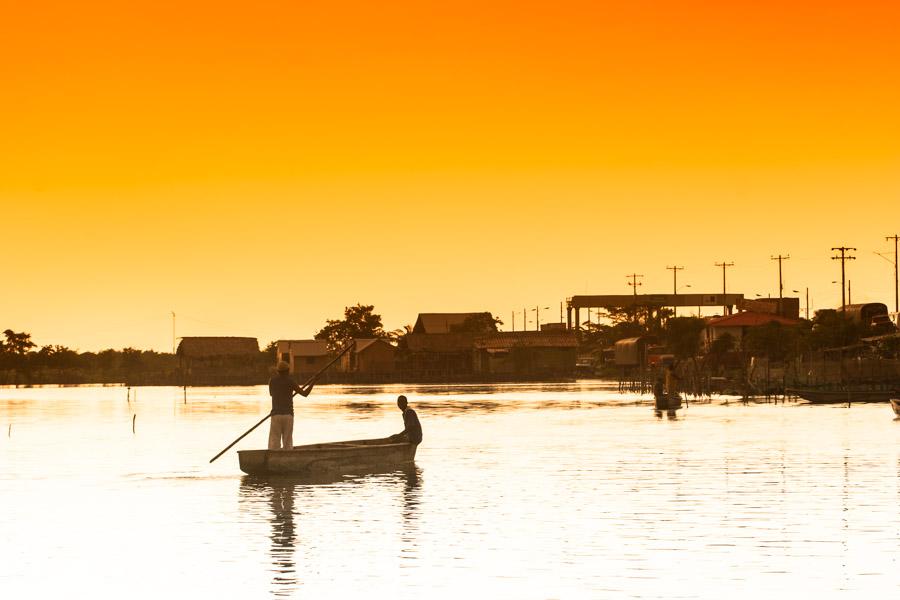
{"type": "Point", "coordinates": [671, 380]}
{"type": "Point", "coordinates": [412, 429]}
{"type": "Point", "coordinates": [282, 388]}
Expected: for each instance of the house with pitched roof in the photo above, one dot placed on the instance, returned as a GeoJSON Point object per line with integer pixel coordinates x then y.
{"type": "Point", "coordinates": [372, 359]}
{"type": "Point", "coordinates": [526, 354]}
{"type": "Point", "coordinates": [440, 346]}
{"type": "Point", "coordinates": [738, 324]}
{"type": "Point", "coordinates": [305, 357]}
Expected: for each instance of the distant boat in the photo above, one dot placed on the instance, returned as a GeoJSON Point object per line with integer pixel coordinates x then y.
{"type": "Point", "coordinates": [895, 404]}
{"type": "Point", "coordinates": [831, 396]}
{"type": "Point", "coordinates": [667, 401]}
{"type": "Point", "coordinates": [345, 457]}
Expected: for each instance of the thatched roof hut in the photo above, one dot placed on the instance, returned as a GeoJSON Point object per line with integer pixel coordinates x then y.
{"type": "Point", "coordinates": [453, 322]}
{"type": "Point", "coordinates": [211, 347]}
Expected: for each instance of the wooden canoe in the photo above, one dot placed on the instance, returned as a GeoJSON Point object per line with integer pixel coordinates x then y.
{"type": "Point", "coordinates": [842, 396]}
{"type": "Point", "coordinates": [895, 404]}
{"type": "Point", "coordinates": [344, 457]}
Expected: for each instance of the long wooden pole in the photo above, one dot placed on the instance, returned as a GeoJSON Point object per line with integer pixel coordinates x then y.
{"type": "Point", "coordinates": [308, 382]}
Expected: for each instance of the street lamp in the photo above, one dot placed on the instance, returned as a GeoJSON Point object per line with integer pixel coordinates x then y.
{"type": "Point", "coordinates": [807, 301]}
{"type": "Point", "coordinates": [537, 316]}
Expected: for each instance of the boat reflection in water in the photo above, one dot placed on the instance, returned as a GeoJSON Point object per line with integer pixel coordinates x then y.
{"type": "Point", "coordinates": [288, 497]}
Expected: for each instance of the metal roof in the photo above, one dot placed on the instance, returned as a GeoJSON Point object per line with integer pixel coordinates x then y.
{"type": "Point", "coordinates": [443, 322]}
{"type": "Point", "coordinates": [363, 344]}
{"type": "Point", "coordinates": [306, 347]}
{"type": "Point", "coordinates": [750, 319]}
{"type": "Point", "coordinates": [528, 339]}
{"type": "Point", "coordinates": [628, 300]}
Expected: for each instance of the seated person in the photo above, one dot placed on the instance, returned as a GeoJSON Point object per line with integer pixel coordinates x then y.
{"type": "Point", "coordinates": [412, 429]}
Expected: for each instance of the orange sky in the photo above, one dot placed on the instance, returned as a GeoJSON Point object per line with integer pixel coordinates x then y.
{"type": "Point", "coordinates": [255, 167]}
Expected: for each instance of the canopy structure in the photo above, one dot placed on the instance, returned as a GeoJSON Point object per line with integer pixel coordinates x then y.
{"type": "Point", "coordinates": [651, 301]}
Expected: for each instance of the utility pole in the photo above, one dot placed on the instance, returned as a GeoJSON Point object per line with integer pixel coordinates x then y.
{"type": "Point", "coordinates": [896, 282]}
{"type": "Point", "coordinates": [675, 270]}
{"type": "Point", "coordinates": [173, 332]}
{"type": "Point", "coordinates": [724, 265]}
{"type": "Point", "coordinates": [844, 257]}
{"type": "Point", "coordinates": [513, 320]}
{"type": "Point", "coordinates": [634, 284]}
{"type": "Point", "coordinates": [780, 259]}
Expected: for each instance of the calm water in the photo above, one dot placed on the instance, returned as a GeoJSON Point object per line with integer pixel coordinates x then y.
{"type": "Point", "coordinates": [555, 491]}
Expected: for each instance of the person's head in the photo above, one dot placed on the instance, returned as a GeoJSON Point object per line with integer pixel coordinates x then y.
{"type": "Point", "coordinates": [401, 402]}
{"type": "Point", "coordinates": [283, 367]}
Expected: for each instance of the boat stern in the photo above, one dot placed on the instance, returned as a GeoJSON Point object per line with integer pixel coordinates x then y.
{"type": "Point", "coordinates": [253, 462]}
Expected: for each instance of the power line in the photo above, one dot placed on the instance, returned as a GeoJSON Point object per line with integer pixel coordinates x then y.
{"type": "Point", "coordinates": [844, 257]}
{"type": "Point", "coordinates": [675, 269]}
{"type": "Point", "coordinates": [724, 266]}
{"type": "Point", "coordinates": [896, 237]}
{"type": "Point", "coordinates": [780, 258]}
{"type": "Point", "coordinates": [634, 284]}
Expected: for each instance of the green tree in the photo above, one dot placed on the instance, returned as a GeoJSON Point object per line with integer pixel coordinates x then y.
{"type": "Point", "coordinates": [605, 335]}
{"type": "Point", "coordinates": [17, 343]}
{"type": "Point", "coordinates": [719, 348]}
{"type": "Point", "coordinates": [359, 321]}
{"type": "Point", "coordinates": [56, 357]}
{"type": "Point", "coordinates": [107, 359]}
{"type": "Point", "coordinates": [131, 359]}
{"type": "Point", "coordinates": [682, 336]}
{"type": "Point", "coordinates": [833, 329]}
{"type": "Point", "coordinates": [14, 350]}
{"type": "Point", "coordinates": [772, 340]}
{"type": "Point", "coordinates": [477, 323]}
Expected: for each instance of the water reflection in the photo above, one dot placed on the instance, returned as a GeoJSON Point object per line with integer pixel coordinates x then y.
{"type": "Point", "coordinates": [521, 497]}
{"type": "Point", "coordinates": [280, 497]}
{"type": "Point", "coordinates": [277, 499]}
{"type": "Point", "coordinates": [671, 415]}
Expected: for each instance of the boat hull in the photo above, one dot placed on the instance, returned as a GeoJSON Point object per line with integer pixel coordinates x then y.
{"type": "Point", "coordinates": [343, 457]}
{"type": "Point", "coordinates": [842, 396]}
{"type": "Point", "coordinates": [667, 401]}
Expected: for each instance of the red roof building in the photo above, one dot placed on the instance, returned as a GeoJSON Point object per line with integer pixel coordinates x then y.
{"type": "Point", "coordinates": [737, 325]}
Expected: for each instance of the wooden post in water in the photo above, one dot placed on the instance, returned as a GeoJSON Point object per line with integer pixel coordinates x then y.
{"type": "Point", "coordinates": [133, 419]}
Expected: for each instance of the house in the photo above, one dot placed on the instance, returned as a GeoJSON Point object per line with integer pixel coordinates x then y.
{"type": "Point", "coordinates": [193, 348]}
{"type": "Point", "coordinates": [371, 359]}
{"type": "Point", "coordinates": [737, 325]}
{"type": "Point", "coordinates": [435, 323]}
{"type": "Point", "coordinates": [218, 360]}
{"type": "Point", "coordinates": [526, 354]}
{"type": "Point", "coordinates": [440, 345]}
{"type": "Point", "coordinates": [305, 357]}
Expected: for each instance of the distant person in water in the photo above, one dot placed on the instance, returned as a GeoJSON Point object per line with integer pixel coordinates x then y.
{"type": "Point", "coordinates": [412, 429]}
{"type": "Point", "coordinates": [671, 380]}
{"type": "Point", "coordinates": [282, 388]}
